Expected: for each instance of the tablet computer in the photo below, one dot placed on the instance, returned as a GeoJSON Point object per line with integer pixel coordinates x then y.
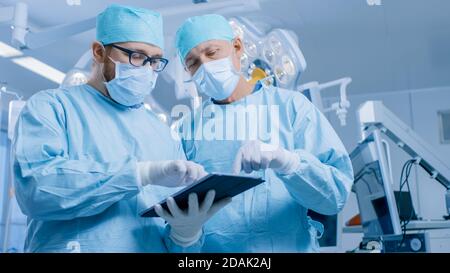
{"type": "Point", "coordinates": [224, 185]}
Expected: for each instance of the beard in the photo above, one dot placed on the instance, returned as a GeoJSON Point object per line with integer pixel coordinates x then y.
{"type": "Point", "coordinates": [108, 70]}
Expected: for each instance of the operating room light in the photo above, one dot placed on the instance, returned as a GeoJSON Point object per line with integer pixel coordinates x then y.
{"type": "Point", "coordinates": [73, 2]}
{"type": "Point", "coordinates": [269, 55]}
{"type": "Point", "coordinates": [7, 51]}
{"type": "Point", "coordinates": [75, 77]}
{"type": "Point", "coordinates": [274, 57]}
{"type": "Point", "coordinates": [79, 78]}
{"type": "Point", "coordinates": [288, 65]}
{"type": "Point", "coordinates": [40, 68]}
{"type": "Point", "coordinates": [162, 118]}
{"type": "Point", "coordinates": [250, 48]}
{"type": "Point", "coordinates": [147, 106]}
{"type": "Point", "coordinates": [238, 31]}
{"type": "Point", "coordinates": [374, 2]}
{"type": "Point", "coordinates": [281, 75]}
{"type": "Point", "coordinates": [244, 60]}
{"type": "Point", "coordinates": [276, 46]}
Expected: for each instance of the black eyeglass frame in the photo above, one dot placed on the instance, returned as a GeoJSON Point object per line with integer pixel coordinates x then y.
{"type": "Point", "coordinates": [147, 60]}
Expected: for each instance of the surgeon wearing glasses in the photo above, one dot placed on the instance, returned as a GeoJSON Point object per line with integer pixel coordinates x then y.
{"type": "Point", "coordinates": [87, 159]}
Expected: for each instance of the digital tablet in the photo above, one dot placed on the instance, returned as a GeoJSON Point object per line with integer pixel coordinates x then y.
{"type": "Point", "coordinates": [224, 185]}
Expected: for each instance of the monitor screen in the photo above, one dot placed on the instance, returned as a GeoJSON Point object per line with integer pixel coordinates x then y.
{"type": "Point", "coordinates": [382, 210]}
{"type": "Point", "coordinates": [374, 192]}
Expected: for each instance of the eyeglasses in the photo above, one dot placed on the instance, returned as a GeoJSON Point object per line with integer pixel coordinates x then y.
{"type": "Point", "coordinates": [140, 59]}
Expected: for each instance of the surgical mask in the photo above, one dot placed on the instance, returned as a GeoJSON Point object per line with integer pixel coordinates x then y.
{"type": "Point", "coordinates": [217, 79]}
{"type": "Point", "coordinates": [131, 84]}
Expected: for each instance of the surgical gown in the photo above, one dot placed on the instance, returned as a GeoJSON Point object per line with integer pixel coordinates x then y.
{"type": "Point", "coordinates": [75, 155]}
{"type": "Point", "coordinates": [272, 217]}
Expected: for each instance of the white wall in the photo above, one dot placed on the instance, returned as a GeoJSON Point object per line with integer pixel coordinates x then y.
{"type": "Point", "coordinates": [418, 109]}
{"type": "Point", "coordinates": [426, 123]}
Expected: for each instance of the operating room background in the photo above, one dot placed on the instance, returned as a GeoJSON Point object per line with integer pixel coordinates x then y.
{"type": "Point", "coordinates": [419, 109]}
{"type": "Point", "coordinates": [398, 52]}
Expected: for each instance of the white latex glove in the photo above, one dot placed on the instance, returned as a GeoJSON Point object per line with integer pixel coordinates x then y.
{"type": "Point", "coordinates": [186, 226]}
{"type": "Point", "coordinates": [256, 155]}
{"type": "Point", "coordinates": [171, 173]}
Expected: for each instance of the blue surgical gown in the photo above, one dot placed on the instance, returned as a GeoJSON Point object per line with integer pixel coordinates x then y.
{"type": "Point", "coordinates": [272, 217]}
{"type": "Point", "coordinates": [75, 155]}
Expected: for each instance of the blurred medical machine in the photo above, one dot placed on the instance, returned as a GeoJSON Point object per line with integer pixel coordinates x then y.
{"type": "Point", "coordinates": [388, 219]}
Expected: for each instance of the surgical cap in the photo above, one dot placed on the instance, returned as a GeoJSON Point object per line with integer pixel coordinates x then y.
{"type": "Point", "coordinates": [120, 23]}
{"type": "Point", "coordinates": [199, 29]}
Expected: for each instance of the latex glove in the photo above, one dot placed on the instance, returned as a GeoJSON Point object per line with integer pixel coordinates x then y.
{"type": "Point", "coordinates": [256, 155]}
{"type": "Point", "coordinates": [186, 226]}
{"type": "Point", "coordinates": [172, 173]}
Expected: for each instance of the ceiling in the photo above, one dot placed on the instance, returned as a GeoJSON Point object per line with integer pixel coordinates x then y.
{"type": "Point", "coordinates": [402, 44]}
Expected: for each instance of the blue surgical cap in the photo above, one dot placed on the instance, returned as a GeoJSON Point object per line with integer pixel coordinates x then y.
{"type": "Point", "coordinates": [120, 23]}
{"type": "Point", "coordinates": [199, 29]}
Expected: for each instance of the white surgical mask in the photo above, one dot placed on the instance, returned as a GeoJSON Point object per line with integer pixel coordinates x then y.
{"type": "Point", "coordinates": [131, 84]}
{"type": "Point", "coordinates": [217, 79]}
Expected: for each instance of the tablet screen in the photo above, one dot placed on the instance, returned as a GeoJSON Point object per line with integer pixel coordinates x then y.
{"type": "Point", "coordinates": [224, 185]}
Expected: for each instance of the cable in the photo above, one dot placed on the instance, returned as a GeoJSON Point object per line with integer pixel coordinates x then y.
{"type": "Point", "coordinates": [369, 171]}
{"type": "Point", "coordinates": [406, 181]}
{"type": "Point", "coordinates": [367, 184]}
{"type": "Point", "coordinates": [401, 186]}
{"type": "Point", "coordinates": [411, 215]}
{"type": "Point", "coordinates": [406, 171]}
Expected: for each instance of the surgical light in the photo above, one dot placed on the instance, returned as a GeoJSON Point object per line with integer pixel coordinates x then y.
{"type": "Point", "coordinates": [250, 48]}
{"type": "Point", "coordinates": [274, 56]}
{"type": "Point", "coordinates": [147, 106]}
{"type": "Point", "coordinates": [244, 60]}
{"type": "Point", "coordinates": [281, 75]}
{"type": "Point", "coordinates": [75, 77]}
{"type": "Point", "coordinates": [374, 2]}
{"type": "Point", "coordinates": [162, 117]}
{"type": "Point", "coordinates": [288, 65]}
{"type": "Point", "coordinates": [237, 29]}
{"type": "Point", "coordinates": [269, 55]}
{"type": "Point", "coordinates": [340, 107]}
{"type": "Point", "coordinates": [275, 45]}
{"type": "Point", "coordinates": [73, 2]}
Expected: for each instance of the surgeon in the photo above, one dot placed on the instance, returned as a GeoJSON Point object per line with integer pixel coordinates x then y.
{"type": "Point", "coordinates": [89, 158]}
{"type": "Point", "coordinates": [307, 169]}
